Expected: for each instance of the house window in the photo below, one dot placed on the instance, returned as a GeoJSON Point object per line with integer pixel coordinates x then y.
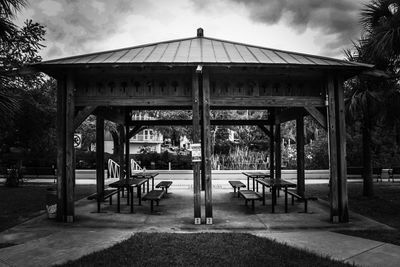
{"type": "Point", "coordinates": [146, 133]}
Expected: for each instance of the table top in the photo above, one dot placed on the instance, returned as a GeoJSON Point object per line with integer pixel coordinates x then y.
{"type": "Point", "coordinates": [276, 183]}
{"type": "Point", "coordinates": [127, 183]}
{"type": "Point", "coordinates": [256, 174]}
{"type": "Point", "coordinates": [144, 174]}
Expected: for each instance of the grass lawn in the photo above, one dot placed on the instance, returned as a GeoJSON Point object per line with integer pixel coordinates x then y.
{"type": "Point", "coordinates": [384, 207]}
{"type": "Point", "coordinates": [206, 249]}
{"type": "Point", "coordinates": [17, 204]}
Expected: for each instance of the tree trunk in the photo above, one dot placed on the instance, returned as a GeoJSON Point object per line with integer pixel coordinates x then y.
{"type": "Point", "coordinates": [368, 186]}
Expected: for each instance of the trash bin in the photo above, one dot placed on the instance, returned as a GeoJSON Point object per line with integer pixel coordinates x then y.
{"type": "Point", "coordinates": [51, 203]}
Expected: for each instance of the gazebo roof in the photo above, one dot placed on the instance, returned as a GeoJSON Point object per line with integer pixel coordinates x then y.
{"type": "Point", "coordinates": [201, 50]}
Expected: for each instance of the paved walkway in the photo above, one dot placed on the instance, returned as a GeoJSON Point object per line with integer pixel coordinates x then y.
{"type": "Point", "coordinates": [43, 242]}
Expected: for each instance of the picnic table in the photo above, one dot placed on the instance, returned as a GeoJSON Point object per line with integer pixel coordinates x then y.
{"type": "Point", "coordinates": [147, 176]}
{"type": "Point", "coordinates": [129, 184]}
{"type": "Point", "coordinates": [276, 184]}
{"type": "Point", "coordinates": [254, 176]}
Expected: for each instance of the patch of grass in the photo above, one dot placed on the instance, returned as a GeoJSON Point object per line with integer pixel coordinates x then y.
{"type": "Point", "coordinates": [384, 207]}
{"type": "Point", "coordinates": [18, 204]}
{"type": "Point", "coordinates": [206, 249]}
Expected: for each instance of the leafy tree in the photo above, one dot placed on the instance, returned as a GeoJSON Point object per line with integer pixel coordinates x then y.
{"type": "Point", "coordinates": [366, 97]}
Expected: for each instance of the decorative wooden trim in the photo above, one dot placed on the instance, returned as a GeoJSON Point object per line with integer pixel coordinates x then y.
{"type": "Point", "coordinates": [318, 116]}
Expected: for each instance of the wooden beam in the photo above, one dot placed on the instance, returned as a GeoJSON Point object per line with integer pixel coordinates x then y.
{"type": "Point", "coordinates": [300, 156]}
{"type": "Point", "coordinates": [196, 139]}
{"type": "Point", "coordinates": [113, 114]}
{"type": "Point", "coordinates": [342, 166]}
{"type": "Point", "coordinates": [83, 114]}
{"type": "Point", "coordinates": [122, 138]}
{"type": "Point", "coordinates": [127, 145]}
{"type": "Point", "coordinates": [99, 158]}
{"type": "Point", "coordinates": [278, 152]}
{"type": "Point", "coordinates": [332, 132]}
{"type": "Point", "coordinates": [217, 102]}
{"type": "Point", "coordinates": [272, 144]}
{"type": "Point", "coordinates": [190, 122]}
{"type": "Point", "coordinates": [265, 130]}
{"type": "Point", "coordinates": [135, 130]}
{"type": "Point", "coordinates": [69, 150]}
{"type": "Point", "coordinates": [61, 196]}
{"type": "Point", "coordinates": [206, 144]}
{"type": "Point", "coordinates": [318, 116]}
{"type": "Point", "coordinates": [289, 114]}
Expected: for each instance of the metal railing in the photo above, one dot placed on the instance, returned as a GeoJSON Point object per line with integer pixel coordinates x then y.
{"type": "Point", "coordinates": [135, 166]}
{"type": "Point", "coordinates": [113, 169]}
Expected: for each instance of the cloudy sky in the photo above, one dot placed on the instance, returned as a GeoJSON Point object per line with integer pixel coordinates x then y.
{"type": "Point", "coordinates": [322, 27]}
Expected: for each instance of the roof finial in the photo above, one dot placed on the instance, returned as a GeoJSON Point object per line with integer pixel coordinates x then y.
{"type": "Point", "coordinates": [200, 32]}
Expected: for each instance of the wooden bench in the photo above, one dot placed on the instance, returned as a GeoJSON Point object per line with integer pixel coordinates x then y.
{"type": "Point", "coordinates": [300, 198]}
{"type": "Point", "coordinates": [250, 195]}
{"type": "Point", "coordinates": [238, 185]}
{"type": "Point", "coordinates": [107, 193]}
{"type": "Point", "coordinates": [154, 195]}
{"type": "Point", "coordinates": [164, 185]}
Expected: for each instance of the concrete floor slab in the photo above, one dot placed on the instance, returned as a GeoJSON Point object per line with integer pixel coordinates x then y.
{"type": "Point", "coordinates": [42, 242]}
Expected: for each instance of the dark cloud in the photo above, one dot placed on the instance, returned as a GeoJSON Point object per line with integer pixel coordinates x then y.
{"type": "Point", "coordinates": [332, 17]}
{"type": "Point", "coordinates": [72, 25]}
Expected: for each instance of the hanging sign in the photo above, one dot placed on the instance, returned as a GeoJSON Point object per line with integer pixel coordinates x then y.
{"type": "Point", "coordinates": [77, 140]}
{"type": "Point", "coordinates": [196, 152]}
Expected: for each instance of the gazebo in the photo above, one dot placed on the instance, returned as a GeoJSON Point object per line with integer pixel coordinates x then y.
{"type": "Point", "coordinates": [201, 74]}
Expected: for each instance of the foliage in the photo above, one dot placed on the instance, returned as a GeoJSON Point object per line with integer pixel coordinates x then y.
{"type": "Point", "coordinates": [161, 161]}
{"type": "Point", "coordinates": [8, 8]}
{"type": "Point", "coordinates": [240, 158]}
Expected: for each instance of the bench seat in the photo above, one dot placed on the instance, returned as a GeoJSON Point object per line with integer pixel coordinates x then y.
{"type": "Point", "coordinates": [154, 195]}
{"type": "Point", "coordinates": [164, 185]}
{"type": "Point", "coordinates": [250, 195]}
{"type": "Point", "coordinates": [238, 185]}
{"type": "Point", "coordinates": [107, 193]}
{"type": "Point", "coordinates": [300, 198]}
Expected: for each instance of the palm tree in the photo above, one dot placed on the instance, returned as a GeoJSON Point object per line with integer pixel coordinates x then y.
{"type": "Point", "coordinates": [381, 23]}
{"type": "Point", "coordinates": [8, 8]}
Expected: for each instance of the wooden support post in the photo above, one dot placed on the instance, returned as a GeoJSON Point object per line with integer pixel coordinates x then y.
{"type": "Point", "coordinates": [333, 166]}
{"type": "Point", "coordinates": [206, 146]}
{"type": "Point", "coordinates": [196, 139]}
{"type": "Point", "coordinates": [121, 132]}
{"type": "Point", "coordinates": [69, 150]}
{"type": "Point", "coordinates": [127, 145]}
{"type": "Point", "coordinates": [278, 151]}
{"type": "Point", "coordinates": [272, 145]}
{"type": "Point", "coordinates": [61, 195]}
{"type": "Point", "coordinates": [342, 166]}
{"type": "Point", "coordinates": [300, 156]}
{"type": "Point", "coordinates": [99, 156]}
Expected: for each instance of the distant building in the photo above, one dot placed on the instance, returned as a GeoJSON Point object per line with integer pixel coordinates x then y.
{"type": "Point", "coordinates": [184, 142]}
{"type": "Point", "coordinates": [149, 140]}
